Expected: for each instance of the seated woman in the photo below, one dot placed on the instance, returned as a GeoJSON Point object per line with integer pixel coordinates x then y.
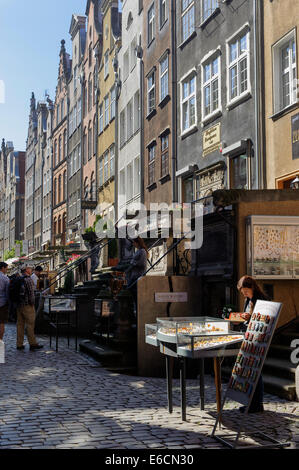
{"type": "Point", "coordinates": [252, 292]}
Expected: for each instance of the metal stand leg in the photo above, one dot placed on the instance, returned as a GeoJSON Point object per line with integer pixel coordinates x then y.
{"type": "Point", "coordinates": [202, 383]}
{"type": "Point", "coordinates": [217, 370]}
{"type": "Point", "coordinates": [76, 329]}
{"type": "Point", "coordinates": [56, 332]}
{"type": "Point", "coordinates": [183, 387]}
{"type": "Point", "coordinates": [169, 373]}
{"type": "Point", "coordinates": [68, 329]}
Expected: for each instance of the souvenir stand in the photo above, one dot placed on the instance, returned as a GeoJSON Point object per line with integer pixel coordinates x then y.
{"type": "Point", "coordinates": [193, 338]}
{"type": "Point", "coordinates": [248, 367]}
{"type": "Point", "coordinates": [59, 310]}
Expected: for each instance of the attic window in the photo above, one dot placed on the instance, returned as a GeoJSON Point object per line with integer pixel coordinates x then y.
{"type": "Point", "coordinates": [130, 20]}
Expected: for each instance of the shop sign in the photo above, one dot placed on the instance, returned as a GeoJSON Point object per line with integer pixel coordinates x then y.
{"type": "Point", "coordinates": [171, 296]}
{"type": "Point", "coordinates": [211, 140]}
{"type": "Point", "coordinates": [295, 136]}
{"type": "Point", "coordinates": [88, 205]}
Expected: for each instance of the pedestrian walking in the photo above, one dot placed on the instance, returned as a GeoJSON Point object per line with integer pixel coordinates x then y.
{"type": "Point", "coordinates": [36, 275]}
{"type": "Point", "coordinates": [26, 312]}
{"type": "Point", "coordinates": [4, 297]}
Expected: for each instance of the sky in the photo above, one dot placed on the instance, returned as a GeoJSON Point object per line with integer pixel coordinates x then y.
{"type": "Point", "coordinates": [30, 35]}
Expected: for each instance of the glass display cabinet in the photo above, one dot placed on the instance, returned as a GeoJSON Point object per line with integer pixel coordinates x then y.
{"type": "Point", "coordinates": [151, 334]}
{"type": "Point", "coordinates": [59, 304]}
{"type": "Point", "coordinates": [169, 328]}
{"type": "Point", "coordinates": [272, 247]}
{"type": "Point", "coordinates": [194, 346]}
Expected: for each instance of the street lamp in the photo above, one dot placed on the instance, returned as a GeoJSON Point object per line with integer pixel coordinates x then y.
{"type": "Point", "coordinates": [295, 183]}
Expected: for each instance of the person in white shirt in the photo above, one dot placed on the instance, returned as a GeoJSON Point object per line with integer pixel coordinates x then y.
{"type": "Point", "coordinates": [35, 276]}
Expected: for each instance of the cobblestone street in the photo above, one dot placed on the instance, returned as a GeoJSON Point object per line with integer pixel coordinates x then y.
{"type": "Point", "coordinates": [67, 400]}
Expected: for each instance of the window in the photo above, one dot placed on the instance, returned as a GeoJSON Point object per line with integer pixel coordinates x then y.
{"type": "Point", "coordinates": [101, 118]}
{"type": "Point", "coordinates": [94, 135]}
{"type": "Point", "coordinates": [55, 153]}
{"type": "Point", "coordinates": [129, 119]}
{"type": "Point", "coordinates": [101, 175]}
{"type": "Point", "coordinates": [90, 55]}
{"type": "Point", "coordinates": [59, 189]}
{"type": "Point", "coordinates": [126, 64]}
{"type": "Point", "coordinates": [285, 72]}
{"type": "Point", "coordinates": [75, 118]}
{"type": "Point", "coordinates": [238, 53]}
{"type": "Point", "coordinates": [187, 189]}
{"type": "Point", "coordinates": [151, 94]}
{"type": "Point", "coordinates": [137, 111]}
{"type": "Point", "coordinates": [64, 144]}
{"type": "Point", "coordinates": [188, 14]}
{"type": "Point", "coordinates": [151, 24]}
{"type": "Point", "coordinates": [151, 164]}
{"type": "Point", "coordinates": [122, 189]}
{"type": "Point", "coordinates": [136, 176]}
{"type": "Point", "coordinates": [164, 155]}
{"type": "Point", "coordinates": [89, 94]}
{"type": "Point", "coordinates": [85, 147]}
{"type": "Point", "coordinates": [208, 8]}
{"type": "Point", "coordinates": [163, 12]}
{"type": "Point", "coordinates": [79, 112]}
{"type": "Point", "coordinates": [106, 64]}
{"type": "Point", "coordinates": [64, 185]}
{"type": "Point", "coordinates": [122, 128]}
{"type": "Point", "coordinates": [92, 188]}
{"type": "Point", "coordinates": [133, 59]}
{"type": "Point", "coordinates": [89, 141]}
{"type": "Point", "coordinates": [112, 160]}
{"type": "Point", "coordinates": [59, 149]}
{"type": "Point", "coordinates": [85, 100]}
{"type": "Point", "coordinates": [106, 167]}
{"type": "Point", "coordinates": [211, 86]}
{"type": "Point", "coordinates": [112, 103]}
{"type": "Point", "coordinates": [75, 77]}
{"type": "Point", "coordinates": [188, 103]}
{"type": "Point", "coordinates": [238, 172]}
{"type": "Point", "coordinates": [164, 77]}
{"type": "Point", "coordinates": [106, 102]}
{"type": "Point", "coordinates": [129, 188]}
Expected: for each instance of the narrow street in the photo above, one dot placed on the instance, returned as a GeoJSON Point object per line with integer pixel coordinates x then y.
{"type": "Point", "coordinates": [67, 400]}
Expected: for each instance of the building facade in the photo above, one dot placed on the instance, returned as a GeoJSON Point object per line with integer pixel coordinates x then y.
{"type": "Point", "coordinates": [89, 79]}
{"type": "Point", "coordinates": [47, 177]}
{"type": "Point", "coordinates": [74, 180]}
{"type": "Point", "coordinates": [281, 92]}
{"type": "Point", "coordinates": [159, 113]}
{"type": "Point", "coordinates": [107, 114]}
{"type": "Point", "coordinates": [217, 105]}
{"type": "Point", "coordinates": [59, 142]}
{"type": "Point", "coordinates": [129, 108]}
{"type": "Point", "coordinates": [30, 174]}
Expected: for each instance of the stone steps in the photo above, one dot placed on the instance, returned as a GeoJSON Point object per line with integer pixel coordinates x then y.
{"type": "Point", "coordinates": [282, 387]}
{"type": "Point", "coordinates": [282, 368]}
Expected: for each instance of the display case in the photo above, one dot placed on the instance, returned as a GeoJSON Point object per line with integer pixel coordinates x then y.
{"type": "Point", "coordinates": [151, 334]}
{"type": "Point", "coordinates": [273, 247]}
{"type": "Point", "coordinates": [169, 328]}
{"type": "Point", "coordinates": [59, 304]}
{"type": "Point", "coordinates": [196, 346]}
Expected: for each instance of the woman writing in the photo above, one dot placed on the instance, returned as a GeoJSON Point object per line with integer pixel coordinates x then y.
{"type": "Point", "coordinates": [252, 292]}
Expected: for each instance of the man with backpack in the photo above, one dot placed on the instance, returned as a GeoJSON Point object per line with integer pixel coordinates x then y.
{"type": "Point", "coordinates": [4, 286]}
{"type": "Point", "coordinates": [24, 297]}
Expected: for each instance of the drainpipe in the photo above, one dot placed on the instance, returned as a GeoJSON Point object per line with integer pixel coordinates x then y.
{"type": "Point", "coordinates": [174, 100]}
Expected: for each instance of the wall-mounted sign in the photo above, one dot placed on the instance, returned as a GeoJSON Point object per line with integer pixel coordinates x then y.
{"type": "Point", "coordinates": [171, 296]}
{"type": "Point", "coordinates": [295, 136]}
{"type": "Point", "coordinates": [211, 140]}
{"type": "Point", "coordinates": [86, 205]}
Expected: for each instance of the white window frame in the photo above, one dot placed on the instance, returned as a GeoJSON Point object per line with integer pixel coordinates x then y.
{"type": "Point", "coordinates": [101, 118]}
{"type": "Point", "coordinates": [151, 24]}
{"type": "Point", "coordinates": [106, 64]}
{"type": "Point", "coordinates": [207, 12]}
{"type": "Point", "coordinates": [245, 30]}
{"type": "Point", "coordinates": [149, 90]}
{"type": "Point", "coordinates": [163, 7]}
{"type": "Point", "coordinates": [112, 102]}
{"type": "Point", "coordinates": [186, 13]}
{"type": "Point", "coordinates": [204, 84]}
{"type": "Point", "coordinates": [277, 49]}
{"type": "Point", "coordinates": [188, 77]}
{"type": "Point", "coordinates": [162, 75]}
{"type": "Point", "coordinates": [106, 110]}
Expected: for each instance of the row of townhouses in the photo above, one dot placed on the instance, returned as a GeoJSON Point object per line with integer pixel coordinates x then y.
{"type": "Point", "coordinates": [158, 101]}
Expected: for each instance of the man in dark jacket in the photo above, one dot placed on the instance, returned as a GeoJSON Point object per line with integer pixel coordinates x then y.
{"type": "Point", "coordinates": [26, 312]}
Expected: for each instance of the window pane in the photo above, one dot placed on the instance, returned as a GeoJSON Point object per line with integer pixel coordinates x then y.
{"type": "Point", "coordinates": [233, 51]}
{"type": "Point", "coordinates": [185, 116]}
{"type": "Point", "coordinates": [238, 173]}
{"type": "Point", "coordinates": [285, 58]}
{"type": "Point", "coordinates": [207, 100]}
{"type": "Point", "coordinates": [243, 75]}
{"type": "Point", "coordinates": [185, 90]}
{"type": "Point", "coordinates": [215, 95]}
{"type": "Point", "coordinates": [207, 72]}
{"type": "Point", "coordinates": [192, 111]}
{"type": "Point", "coordinates": [243, 44]}
{"type": "Point", "coordinates": [286, 89]}
{"type": "Point", "coordinates": [233, 82]}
